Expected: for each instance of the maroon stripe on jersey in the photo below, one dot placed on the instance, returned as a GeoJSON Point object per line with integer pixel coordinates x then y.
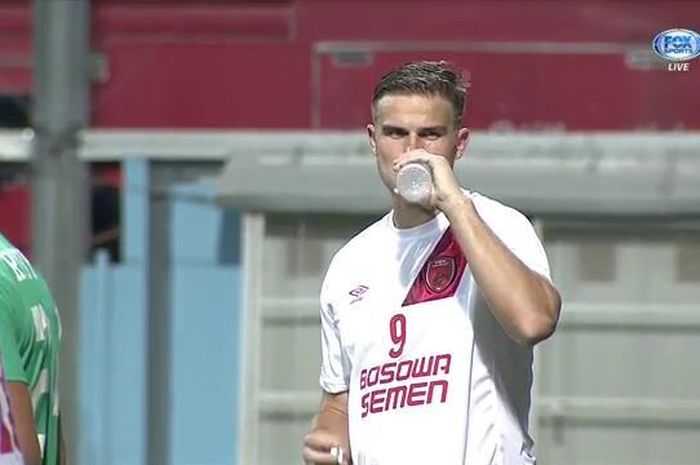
{"type": "Point", "coordinates": [441, 272]}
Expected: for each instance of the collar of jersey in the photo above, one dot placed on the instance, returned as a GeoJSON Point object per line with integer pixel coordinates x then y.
{"type": "Point", "coordinates": [431, 226]}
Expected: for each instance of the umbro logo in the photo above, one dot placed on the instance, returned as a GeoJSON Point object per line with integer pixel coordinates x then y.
{"type": "Point", "coordinates": [358, 293]}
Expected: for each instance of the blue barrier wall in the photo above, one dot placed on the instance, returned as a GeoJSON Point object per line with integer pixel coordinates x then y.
{"type": "Point", "coordinates": [113, 317]}
{"type": "Point", "coordinates": [203, 360]}
{"type": "Point", "coordinates": [206, 296]}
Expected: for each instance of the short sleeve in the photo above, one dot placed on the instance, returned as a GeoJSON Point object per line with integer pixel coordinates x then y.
{"type": "Point", "coordinates": [9, 344]}
{"type": "Point", "coordinates": [525, 245]}
{"type": "Point", "coordinates": [335, 372]}
{"type": "Point", "coordinates": [518, 234]}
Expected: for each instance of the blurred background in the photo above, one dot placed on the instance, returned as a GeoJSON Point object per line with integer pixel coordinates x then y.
{"type": "Point", "coordinates": [182, 172]}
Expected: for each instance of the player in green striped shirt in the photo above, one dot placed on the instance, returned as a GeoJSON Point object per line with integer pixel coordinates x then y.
{"type": "Point", "coordinates": [30, 334]}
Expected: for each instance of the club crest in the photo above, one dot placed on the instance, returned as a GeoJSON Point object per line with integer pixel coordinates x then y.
{"type": "Point", "coordinates": [440, 273]}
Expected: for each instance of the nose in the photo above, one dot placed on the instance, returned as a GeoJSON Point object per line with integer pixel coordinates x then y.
{"type": "Point", "coordinates": [414, 142]}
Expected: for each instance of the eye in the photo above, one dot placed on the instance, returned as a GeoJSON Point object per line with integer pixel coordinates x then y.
{"type": "Point", "coordinates": [394, 133]}
{"type": "Point", "coordinates": [431, 135]}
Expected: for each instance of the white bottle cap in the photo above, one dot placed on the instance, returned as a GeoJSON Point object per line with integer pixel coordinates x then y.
{"type": "Point", "coordinates": [414, 182]}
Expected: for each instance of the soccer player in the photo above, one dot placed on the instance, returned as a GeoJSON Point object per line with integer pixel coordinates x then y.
{"type": "Point", "coordinates": [30, 333]}
{"type": "Point", "coordinates": [429, 315]}
{"type": "Point", "coordinates": [9, 450]}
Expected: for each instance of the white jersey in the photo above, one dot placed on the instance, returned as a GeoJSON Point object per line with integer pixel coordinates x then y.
{"type": "Point", "coordinates": [431, 375]}
{"type": "Point", "coordinates": [9, 450]}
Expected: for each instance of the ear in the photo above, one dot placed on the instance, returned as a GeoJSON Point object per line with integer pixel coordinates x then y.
{"type": "Point", "coordinates": [371, 135]}
{"type": "Point", "coordinates": [462, 140]}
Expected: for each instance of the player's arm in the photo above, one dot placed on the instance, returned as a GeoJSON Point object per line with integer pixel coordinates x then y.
{"type": "Point", "coordinates": [329, 430]}
{"type": "Point", "coordinates": [23, 415]}
{"type": "Point", "coordinates": [18, 392]}
{"type": "Point", "coordinates": [524, 302]}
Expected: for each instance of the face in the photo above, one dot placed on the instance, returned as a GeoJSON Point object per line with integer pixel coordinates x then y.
{"type": "Point", "coordinates": [408, 122]}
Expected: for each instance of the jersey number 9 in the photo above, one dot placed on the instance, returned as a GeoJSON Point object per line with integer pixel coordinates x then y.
{"type": "Point", "coordinates": [397, 331]}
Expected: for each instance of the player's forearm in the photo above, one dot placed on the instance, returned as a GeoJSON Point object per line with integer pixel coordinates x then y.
{"type": "Point", "coordinates": [524, 302]}
{"type": "Point", "coordinates": [332, 417]}
{"type": "Point", "coordinates": [25, 430]}
{"type": "Point", "coordinates": [328, 442]}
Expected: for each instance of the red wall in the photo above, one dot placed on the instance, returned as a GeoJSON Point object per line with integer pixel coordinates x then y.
{"type": "Point", "coordinates": [248, 65]}
{"type": "Point", "coordinates": [251, 65]}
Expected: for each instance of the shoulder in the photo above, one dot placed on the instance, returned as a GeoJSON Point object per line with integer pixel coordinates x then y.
{"type": "Point", "coordinates": [356, 253]}
{"type": "Point", "coordinates": [515, 231]}
{"type": "Point", "coordinates": [364, 243]}
{"type": "Point", "coordinates": [499, 216]}
{"type": "Point", "coordinates": [8, 290]}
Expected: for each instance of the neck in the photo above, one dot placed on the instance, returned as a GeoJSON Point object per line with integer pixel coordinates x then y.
{"type": "Point", "coordinates": [407, 215]}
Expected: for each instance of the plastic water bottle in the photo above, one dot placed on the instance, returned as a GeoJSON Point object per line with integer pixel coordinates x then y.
{"type": "Point", "coordinates": [414, 182]}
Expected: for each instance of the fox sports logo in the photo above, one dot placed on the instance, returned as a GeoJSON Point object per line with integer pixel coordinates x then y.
{"type": "Point", "coordinates": [677, 44]}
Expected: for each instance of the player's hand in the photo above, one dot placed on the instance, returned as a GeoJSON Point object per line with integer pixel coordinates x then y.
{"type": "Point", "coordinates": [446, 188]}
{"type": "Point", "coordinates": [319, 446]}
